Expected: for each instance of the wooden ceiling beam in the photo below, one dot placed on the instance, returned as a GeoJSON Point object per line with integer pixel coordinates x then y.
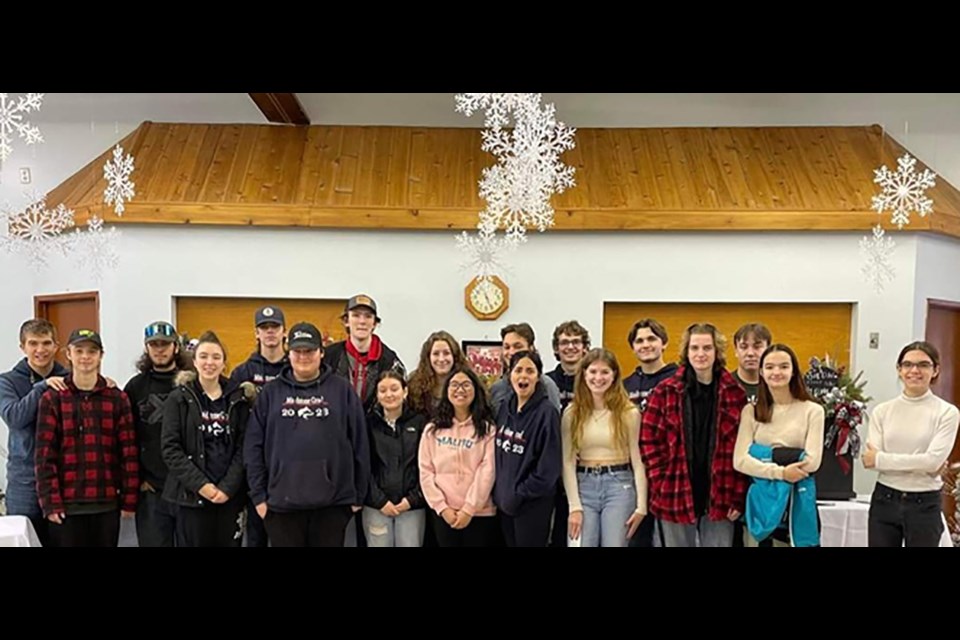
{"type": "Point", "coordinates": [281, 108]}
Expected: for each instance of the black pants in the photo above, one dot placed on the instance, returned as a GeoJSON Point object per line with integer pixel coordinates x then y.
{"type": "Point", "coordinates": [643, 537]}
{"type": "Point", "coordinates": [904, 518]}
{"type": "Point", "coordinates": [256, 531]}
{"type": "Point", "coordinates": [483, 531]}
{"type": "Point", "coordinates": [738, 532]}
{"type": "Point", "coordinates": [95, 530]}
{"type": "Point", "coordinates": [156, 521]}
{"type": "Point", "coordinates": [212, 525]}
{"type": "Point", "coordinates": [530, 526]}
{"type": "Point", "coordinates": [561, 513]}
{"type": "Point", "coordinates": [312, 528]}
{"type": "Point", "coordinates": [42, 528]}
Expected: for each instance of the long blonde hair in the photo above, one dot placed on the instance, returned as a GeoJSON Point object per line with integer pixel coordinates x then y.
{"type": "Point", "coordinates": [615, 399]}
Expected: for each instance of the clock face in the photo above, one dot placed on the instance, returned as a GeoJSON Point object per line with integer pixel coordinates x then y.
{"type": "Point", "coordinates": [487, 297]}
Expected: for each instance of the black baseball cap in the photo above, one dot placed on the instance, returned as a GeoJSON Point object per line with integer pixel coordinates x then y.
{"type": "Point", "coordinates": [268, 315]}
{"type": "Point", "coordinates": [85, 335]}
{"type": "Point", "coordinates": [304, 335]}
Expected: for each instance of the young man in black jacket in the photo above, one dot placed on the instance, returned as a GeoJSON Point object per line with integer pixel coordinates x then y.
{"type": "Point", "coordinates": [263, 365]}
{"type": "Point", "coordinates": [306, 450]}
{"type": "Point", "coordinates": [360, 359]}
{"type": "Point", "coordinates": [159, 364]}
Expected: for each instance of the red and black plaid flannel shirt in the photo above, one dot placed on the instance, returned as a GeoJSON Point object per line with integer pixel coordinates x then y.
{"type": "Point", "coordinates": [86, 448]}
{"type": "Point", "coordinates": [662, 447]}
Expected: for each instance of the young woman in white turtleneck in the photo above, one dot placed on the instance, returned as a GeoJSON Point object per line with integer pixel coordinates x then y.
{"type": "Point", "coordinates": [910, 439]}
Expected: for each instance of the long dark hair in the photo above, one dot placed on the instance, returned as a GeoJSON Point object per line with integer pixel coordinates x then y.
{"type": "Point", "coordinates": [764, 409]}
{"type": "Point", "coordinates": [181, 361]}
{"type": "Point", "coordinates": [479, 408]}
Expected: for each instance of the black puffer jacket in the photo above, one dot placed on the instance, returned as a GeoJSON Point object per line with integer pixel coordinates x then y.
{"type": "Point", "coordinates": [395, 460]}
{"type": "Point", "coordinates": [181, 440]}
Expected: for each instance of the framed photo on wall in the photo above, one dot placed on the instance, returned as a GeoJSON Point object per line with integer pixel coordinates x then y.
{"type": "Point", "coordinates": [485, 358]}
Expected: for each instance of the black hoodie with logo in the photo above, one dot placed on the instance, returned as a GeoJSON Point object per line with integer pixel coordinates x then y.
{"type": "Point", "coordinates": [306, 445]}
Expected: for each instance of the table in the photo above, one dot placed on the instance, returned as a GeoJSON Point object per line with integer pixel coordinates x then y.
{"type": "Point", "coordinates": [844, 524]}
{"type": "Point", "coordinates": [17, 531]}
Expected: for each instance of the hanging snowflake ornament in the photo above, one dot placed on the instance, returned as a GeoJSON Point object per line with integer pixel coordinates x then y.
{"type": "Point", "coordinates": [877, 251]}
{"type": "Point", "coordinates": [11, 121]}
{"type": "Point", "coordinates": [903, 191]}
{"type": "Point", "coordinates": [117, 174]}
{"type": "Point", "coordinates": [96, 248]}
{"type": "Point", "coordinates": [484, 252]}
{"type": "Point", "coordinates": [498, 107]}
{"type": "Point", "coordinates": [36, 231]}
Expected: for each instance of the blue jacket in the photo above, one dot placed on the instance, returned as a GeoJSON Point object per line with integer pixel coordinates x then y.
{"type": "Point", "coordinates": [306, 445]}
{"type": "Point", "coordinates": [768, 500]}
{"type": "Point", "coordinates": [20, 391]}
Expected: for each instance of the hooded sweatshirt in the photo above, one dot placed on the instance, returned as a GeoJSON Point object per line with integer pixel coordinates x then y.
{"type": "Point", "coordinates": [306, 445]}
{"type": "Point", "coordinates": [258, 370]}
{"type": "Point", "coordinates": [457, 469]}
{"type": "Point", "coordinates": [528, 452]}
{"type": "Point", "coordinates": [20, 391]}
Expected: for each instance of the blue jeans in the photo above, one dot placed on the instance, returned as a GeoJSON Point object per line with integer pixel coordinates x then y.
{"type": "Point", "coordinates": [405, 530]}
{"type": "Point", "coordinates": [705, 533]}
{"type": "Point", "coordinates": [608, 499]}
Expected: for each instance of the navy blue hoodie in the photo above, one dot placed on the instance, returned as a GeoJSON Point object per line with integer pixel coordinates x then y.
{"type": "Point", "coordinates": [528, 452]}
{"type": "Point", "coordinates": [306, 445]}
{"type": "Point", "coordinates": [258, 370]}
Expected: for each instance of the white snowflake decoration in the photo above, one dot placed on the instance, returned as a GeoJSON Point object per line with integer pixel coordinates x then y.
{"type": "Point", "coordinates": [96, 248]}
{"type": "Point", "coordinates": [498, 106]}
{"type": "Point", "coordinates": [117, 174]}
{"type": "Point", "coordinates": [484, 252]}
{"type": "Point", "coordinates": [877, 251]}
{"type": "Point", "coordinates": [903, 191]}
{"type": "Point", "coordinates": [519, 187]}
{"type": "Point", "coordinates": [11, 120]}
{"type": "Point", "coordinates": [37, 231]}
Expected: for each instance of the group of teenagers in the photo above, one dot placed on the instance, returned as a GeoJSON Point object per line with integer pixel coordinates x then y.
{"type": "Point", "coordinates": [311, 445]}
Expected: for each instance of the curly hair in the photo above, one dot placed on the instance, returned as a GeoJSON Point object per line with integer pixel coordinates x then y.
{"type": "Point", "coordinates": [424, 380]}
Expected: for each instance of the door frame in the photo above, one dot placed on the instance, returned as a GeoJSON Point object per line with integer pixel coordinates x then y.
{"type": "Point", "coordinates": [41, 303]}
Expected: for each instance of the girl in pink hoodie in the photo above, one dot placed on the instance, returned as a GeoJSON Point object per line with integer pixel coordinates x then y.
{"type": "Point", "coordinates": [456, 464]}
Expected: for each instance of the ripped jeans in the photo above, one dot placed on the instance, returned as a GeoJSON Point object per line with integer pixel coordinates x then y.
{"type": "Point", "coordinates": [405, 530]}
{"type": "Point", "coordinates": [608, 500]}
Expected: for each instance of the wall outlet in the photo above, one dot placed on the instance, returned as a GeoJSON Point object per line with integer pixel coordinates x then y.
{"type": "Point", "coordinates": [25, 177]}
{"type": "Point", "coordinates": [875, 340]}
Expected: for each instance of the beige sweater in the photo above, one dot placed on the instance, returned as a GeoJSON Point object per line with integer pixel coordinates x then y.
{"type": "Point", "coordinates": [597, 448]}
{"type": "Point", "coordinates": [914, 437]}
{"type": "Point", "coordinates": [797, 425]}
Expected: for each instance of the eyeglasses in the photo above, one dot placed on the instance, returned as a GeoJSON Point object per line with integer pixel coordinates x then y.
{"type": "Point", "coordinates": [466, 385]}
{"type": "Point", "coordinates": [571, 343]}
{"type": "Point", "coordinates": [922, 366]}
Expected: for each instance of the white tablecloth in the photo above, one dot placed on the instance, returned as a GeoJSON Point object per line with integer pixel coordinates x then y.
{"type": "Point", "coordinates": [17, 531]}
{"type": "Point", "coordinates": [844, 524]}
